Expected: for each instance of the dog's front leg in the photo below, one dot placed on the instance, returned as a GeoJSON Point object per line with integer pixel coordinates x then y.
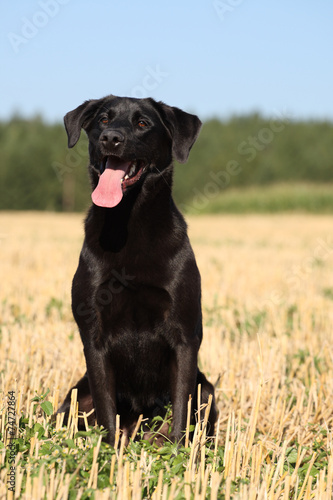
{"type": "Point", "coordinates": [103, 389]}
{"type": "Point", "coordinates": [183, 383]}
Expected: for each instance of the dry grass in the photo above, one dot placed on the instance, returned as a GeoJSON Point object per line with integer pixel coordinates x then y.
{"type": "Point", "coordinates": [268, 315]}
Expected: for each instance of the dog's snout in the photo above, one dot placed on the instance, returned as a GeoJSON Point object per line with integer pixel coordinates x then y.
{"type": "Point", "coordinates": [112, 137]}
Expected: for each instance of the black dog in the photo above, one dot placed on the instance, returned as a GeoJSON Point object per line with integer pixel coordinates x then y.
{"type": "Point", "coordinates": [136, 294]}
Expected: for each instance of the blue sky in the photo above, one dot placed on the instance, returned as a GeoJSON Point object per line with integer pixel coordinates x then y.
{"type": "Point", "coordinates": [211, 57]}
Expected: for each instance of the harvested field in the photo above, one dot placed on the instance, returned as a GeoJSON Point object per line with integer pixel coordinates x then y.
{"type": "Point", "coordinates": [268, 329]}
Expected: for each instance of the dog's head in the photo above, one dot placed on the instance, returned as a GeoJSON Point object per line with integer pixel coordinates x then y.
{"type": "Point", "coordinates": [129, 140]}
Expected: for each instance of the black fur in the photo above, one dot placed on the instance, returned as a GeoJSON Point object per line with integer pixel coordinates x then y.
{"type": "Point", "coordinates": [136, 294]}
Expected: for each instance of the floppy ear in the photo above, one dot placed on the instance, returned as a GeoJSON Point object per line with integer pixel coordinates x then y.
{"type": "Point", "coordinates": [184, 129]}
{"type": "Point", "coordinates": [75, 120]}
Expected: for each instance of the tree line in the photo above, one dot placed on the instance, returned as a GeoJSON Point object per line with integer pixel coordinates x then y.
{"type": "Point", "coordinates": [38, 172]}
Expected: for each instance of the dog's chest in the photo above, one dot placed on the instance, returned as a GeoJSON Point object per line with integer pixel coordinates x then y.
{"type": "Point", "coordinates": [132, 307]}
{"type": "Point", "coordinates": [136, 326]}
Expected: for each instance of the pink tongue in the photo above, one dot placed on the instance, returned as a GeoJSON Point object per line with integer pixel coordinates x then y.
{"type": "Point", "coordinates": [108, 192]}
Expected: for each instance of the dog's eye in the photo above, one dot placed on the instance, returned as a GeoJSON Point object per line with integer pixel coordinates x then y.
{"type": "Point", "coordinates": [142, 123]}
{"type": "Point", "coordinates": [104, 120]}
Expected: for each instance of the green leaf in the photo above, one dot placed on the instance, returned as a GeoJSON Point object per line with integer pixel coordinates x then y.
{"type": "Point", "coordinates": [292, 456]}
{"type": "Point", "coordinates": [39, 429]}
{"type": "Point", "coordinates": [165, 450]}
{"type": "Point", "coordinates": [83, 434]}
{"type": "Point", "coordinates": [158, 418]}
{"type": "Point", "coordinates": [46, 449]}
{"type": "Point", "coordinates": [36, 398]}
{"type": "Point", "coordinates": [70, 443]}
{"type": "Point", "coordinates": [47, 407]}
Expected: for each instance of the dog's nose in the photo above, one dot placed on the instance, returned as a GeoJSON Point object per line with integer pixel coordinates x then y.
{"type": "Point", "coordinates": [112, 137]}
